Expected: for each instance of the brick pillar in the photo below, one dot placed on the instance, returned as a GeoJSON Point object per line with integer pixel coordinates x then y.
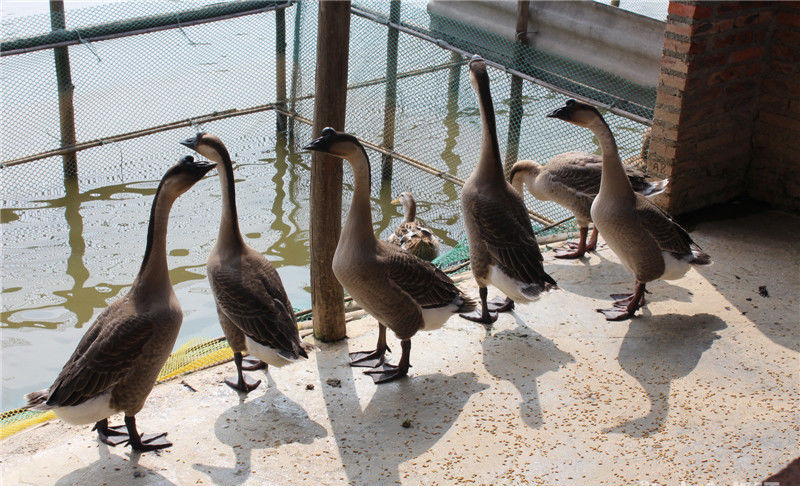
{"type": "Point", "coordinates": [711, 74]}
{"type": "Point", "coordinates": [774, 175]}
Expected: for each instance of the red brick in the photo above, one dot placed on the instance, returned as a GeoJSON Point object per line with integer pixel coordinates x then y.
{"type": "Point", "coordinates": [789, 18]}
{"type": "Point", "coordinates": [721, 25]}
{"type": "Point", "coordinates": [679, 28]}
{"type": "Point", "coordinates": [677, 82]}
{"type": "Point", "coordinates": [786, 36]}
{"type": "Point", "coordinates": [692, 11]}
{"type": "Point", "coordinates": [745, 54]}
{"type": "Point", "coordinates": [786, 53]}
{"type": "Point", "coordinates": [674, 64]}
{"type": "Point", "coordinates": [748, 19]}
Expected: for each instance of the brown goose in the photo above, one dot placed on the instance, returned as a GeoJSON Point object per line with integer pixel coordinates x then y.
{"type": "Point", "coordinates": [253, 308]}
{"type": "Point", "coordinates": [404, 293]}
{"type": "Point", "coordinates": [502, 247]}
{"type": "Point", "coordinates": [411, 235]}
{"type": "Point", "coordinates": [650, 244]}
{"type": "Point", "coordinates": [572, 180]}
{"type": "Point", "coordinates": [117, 361]}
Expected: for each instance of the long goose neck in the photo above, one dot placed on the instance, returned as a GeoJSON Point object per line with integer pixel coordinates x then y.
{"type": "Point", "coordinates": [229, 234]}
{"type": "Point", "coordinates": [154, 273]}
{"type": "Point", "coordinates": [359, 219]}
{"type": "Point", "coordinates": [411, 209]}
{"type": "Point", "coordinates": [613, 178]}
{"type": "Point", "coordinates": [490, 166]}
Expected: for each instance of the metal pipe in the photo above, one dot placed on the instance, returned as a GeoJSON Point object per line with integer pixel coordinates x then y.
{"type": "Point", "coordinates": [140, 25]}
{"type": "Point", "coordinates": [66, 108]}
{"type": "Point", "coordinates": [515, 109]}
{"type": "Point", "coordinates": [390, 101]}
{"type": "Point", "coordinates": [515, 72]}
{"type": "Point", "coordinates": [280, 67]}
{"type": "Point", "coordinates": [296, 74]}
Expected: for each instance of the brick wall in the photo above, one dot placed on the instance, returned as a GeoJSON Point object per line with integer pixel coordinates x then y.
{"type": "Point", "coordinates": [774, 174]}
{"type": "Point", "coordinates": [718, 59]}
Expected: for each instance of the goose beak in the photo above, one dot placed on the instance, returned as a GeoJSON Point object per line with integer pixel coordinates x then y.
{"type": "Point", "coordinates": [320, 144]}
{"type": "Point", "coordinates": [560, 113]}
{"type": "Point", "coordinates": [396, 201]}
{"type": "Point", "coordinates": [204, 166]}
{"type": "Point", "coordinates": [191, 142]}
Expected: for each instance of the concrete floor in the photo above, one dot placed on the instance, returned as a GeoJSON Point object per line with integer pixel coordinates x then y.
{"type": "Point", "coordinates": [701, 387]}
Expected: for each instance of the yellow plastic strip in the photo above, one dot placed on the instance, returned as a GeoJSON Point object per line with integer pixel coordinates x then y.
{"type": "Point", "coordinates": [14, 427]}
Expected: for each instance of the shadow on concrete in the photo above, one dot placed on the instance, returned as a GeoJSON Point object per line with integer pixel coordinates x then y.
{"type": "Point", "coordinates": [658, 350]}
{"type": "Point", "coordinates": [265, 422]}
{"type": "Point", "coordinates": [113, 469]}
{"type": "Point", "coordinates": [601, 280]}
{"type": "Point", "coordinates": [373, 443]}
{"type": "Point", "coordinates": [521, 356]}
{"type": "Point", "coordinates": [767, 254]}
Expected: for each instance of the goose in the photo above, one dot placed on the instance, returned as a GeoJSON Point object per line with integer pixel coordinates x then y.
{"type": "Point", "coordinates": [118, 360]}
{"type": "Point", "coordinates": [572, 180]}
{"type": "Point", "coordinates": [403, 292]}
{"type": "Point", "coordinates": [502, 246]}
{"type": "Point", "coordinates": [411, 235]}
{"type": "Point", "coordinates": [253, 308]}
{"type": "Point", "coordinates": [648, 242]}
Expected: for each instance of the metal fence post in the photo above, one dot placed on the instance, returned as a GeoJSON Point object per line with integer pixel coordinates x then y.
{"type": "Point", "coordinates": [390, 103]}
{"type": "Point", "coordinates": [330, 102]}
{"type": "Point", "coordinates": [298, 15]}
{"type": "Point", "coordinates": [515, 110]}
{"type": "Point", "coordinates": [280, 68]}
{"type": "Point", "coordinates": [66, 110]}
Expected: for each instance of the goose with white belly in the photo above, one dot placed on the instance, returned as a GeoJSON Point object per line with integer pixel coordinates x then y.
{"type": "Point", "coordinates": [254, 311]}
{"type": "Point", "coordinates": [572, 179]}
{"type": "Point", "coordinates": [650, 244]}
{"type": "Point", "coordinates": [117, 361]}
{"type": "Point", "coordinates": [502, 246]}
{"type": "Point", "coordinates": [403, 292]}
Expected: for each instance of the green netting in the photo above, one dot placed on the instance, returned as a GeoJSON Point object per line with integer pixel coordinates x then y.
{"type": "Point", "coordinates": [70, 249]}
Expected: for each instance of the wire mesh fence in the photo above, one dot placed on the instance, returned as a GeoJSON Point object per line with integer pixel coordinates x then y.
{"type": "Point", "coordinates": [70, 248]}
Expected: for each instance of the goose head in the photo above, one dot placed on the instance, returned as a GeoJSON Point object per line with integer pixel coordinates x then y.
{"type": "Point", "coordinates": [340, 144]}
{"type": "Point", "coordinates": [524, 171]}
{"type": "Point", "coordinates": [207, 145]}
{"type": "Point", "coordinates": [477, 72]}
{"type": "Point", "coordinates": [405, 198]}
{"type": "Point", "coordinates": [183, 175]}
{"type": "Point", "coordinates": [577, 113]}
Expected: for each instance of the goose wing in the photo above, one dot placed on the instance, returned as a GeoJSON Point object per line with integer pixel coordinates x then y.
{"type": "Point", "coordinates": [421, 280]}
{"type": "Point", "coordinates": [503, 225]}
{"type": "Point", "coordinates": [104, 356]}
{"type": "Point", "coordinates": [252, 297]}
{"type": "Point", "coordinates": [578, 171]}
{"type": "Point", "coordinates": [669, 235]}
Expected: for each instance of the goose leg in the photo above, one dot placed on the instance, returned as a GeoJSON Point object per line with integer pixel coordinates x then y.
{"type": "Point", "coordinates": [251, 363]}
{"type": "Point", "coordinates": [112, 436]}
{"type": "Point", "coordinates": [591, 245]}
{"type": "Point", "coordinates": [570, 250]}
{"type": "Point", "coordinates": [483, 316]}
{"type": "Point", "coordinates": [386, 372]}
{"type": "Point", "coordinates": [241, 383]}
{"type": "Point", "coordinates": [149, 442]}
{"type": "Point", "coordinates": [625, 308]}
{"type": "Point", "coordinates": [500, 305]}
{"type": "Point", "coordinates": [371, 359]}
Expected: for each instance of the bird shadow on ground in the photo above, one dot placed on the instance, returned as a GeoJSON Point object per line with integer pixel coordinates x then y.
{"type": "Point", "coordinates": [113, 469]}
{"type": "Point", "coordinates": [268, 421]}
{"type": "Point", "coordinates": [658, 350]}
{"type": "Point", "coordinates": [521, 356]}
{"type": "Point", "coordinates": [403, 419]}
{"type": "Point", "coordinates": [601, 280]}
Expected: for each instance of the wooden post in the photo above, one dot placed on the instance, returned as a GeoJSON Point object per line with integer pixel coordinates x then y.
{"type": "Point", "coordinates": [327, 296]}
{"type": "Point", "coordinates": [515, 110]}
{"type": "Point", "coordinates": [280, 67]}
{"type": "Point", "coordinates": [390, 101]}
{"type": "Point", "coordinates": [66, 110]}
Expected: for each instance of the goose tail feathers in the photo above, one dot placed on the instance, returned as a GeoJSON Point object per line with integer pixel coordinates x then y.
{"type": "Point", "coordinates": [466, 304]}
{"type": "Point", "coordinates": [699, 257]}
{"type": "Point", "coordinates": [38, 400]}
{"type": "Point", "coordinates": [655, 187]}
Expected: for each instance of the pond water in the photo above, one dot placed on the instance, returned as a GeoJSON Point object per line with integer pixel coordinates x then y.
{"type": "Point", "coordinates": [70, 249]}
